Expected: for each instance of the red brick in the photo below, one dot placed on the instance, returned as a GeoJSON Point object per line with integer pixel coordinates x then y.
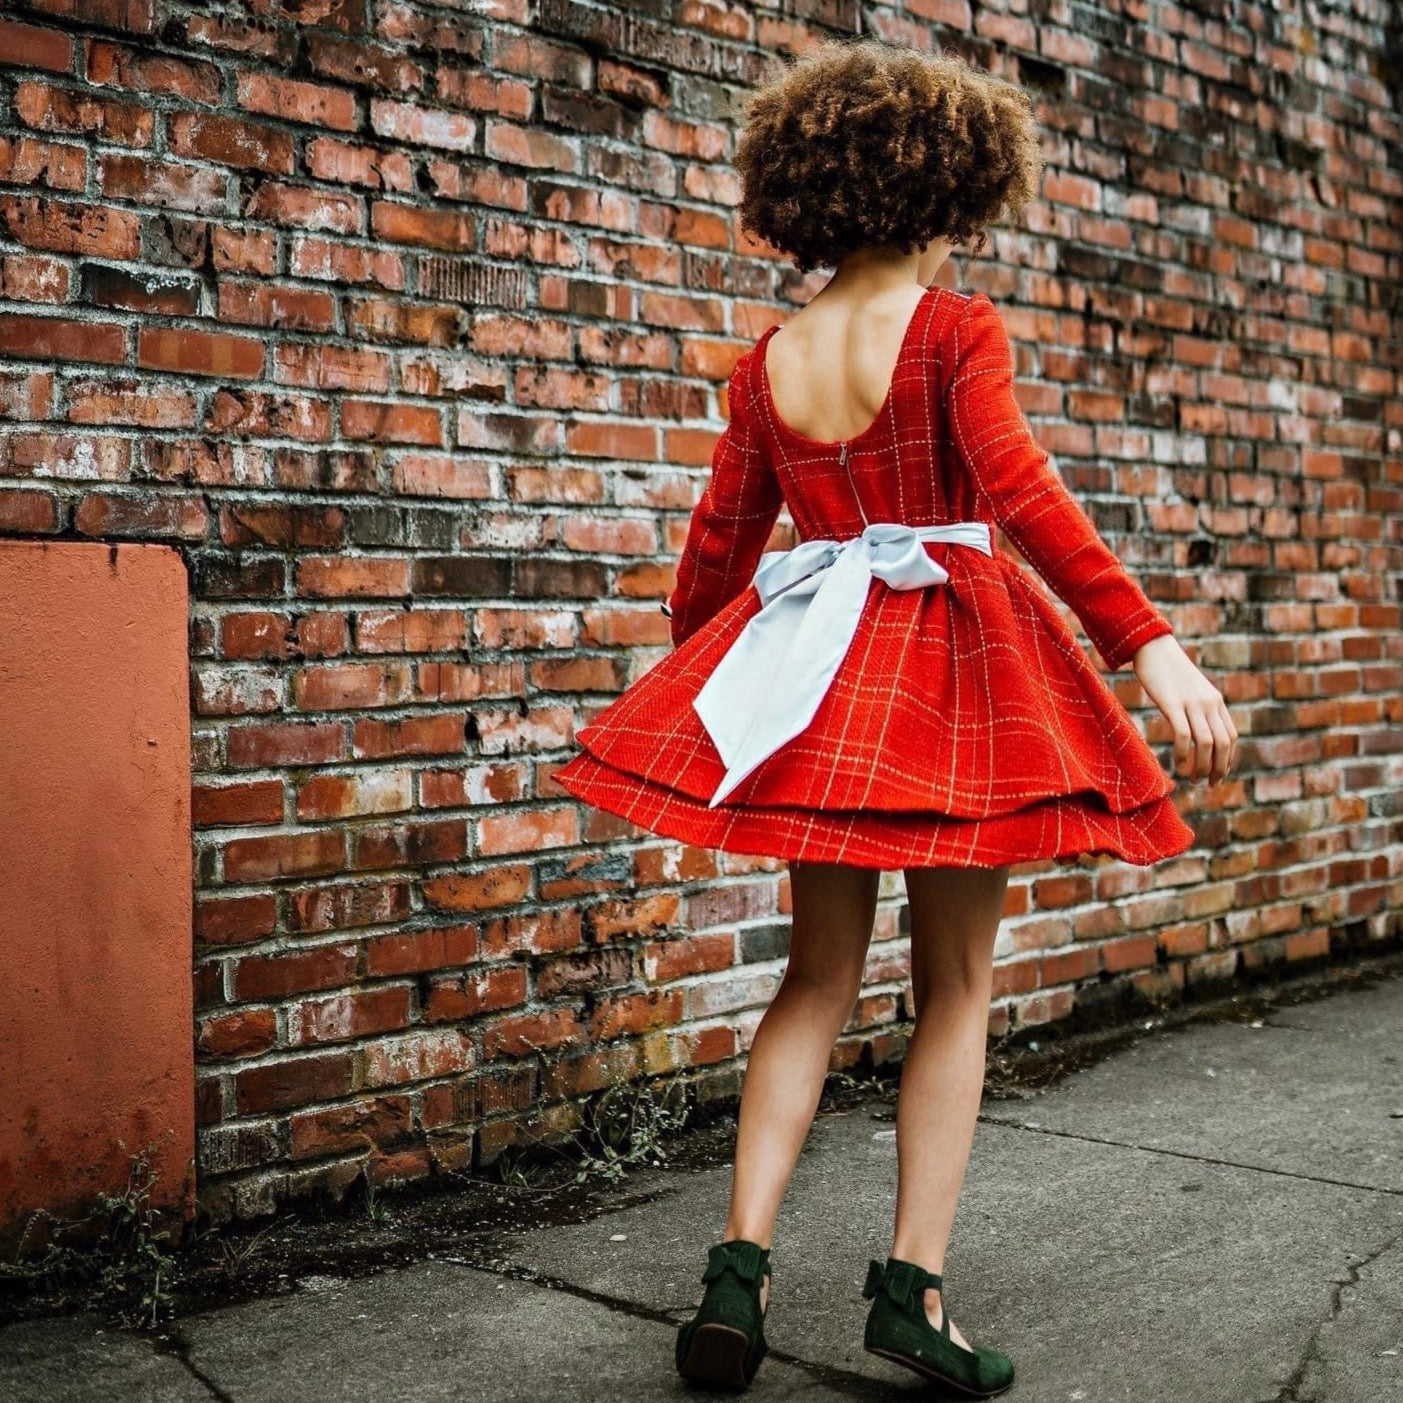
{"type": "Point", "coordinates": [355, 795]}
{"type": "Point", "coordinates": [26, 512]}
{"type": "Point", "coordinates": [410, 630]}
{"type": "Point", "coordinates": [478, 891]}
{"type": "Point", "coordinates": [392, 423]}
{"type": "Point", "coordinates": [676, 959]}
{"type": "Point", "coordinates": [352, 577]}
{"type": "Point", "coordinates": [1075, 962]}
{"type": "Point", "coordinates": [440, 475]}
{"type": "Point", "coordinates": [230, 142]}
{"type": "Point", "coordinates": [460, 682]}
{"type": "Point", "coordinates": [107, 514]}
{"type": "Point", "coordinates": [29, 46]}
{"type": "Point", "coordinates": [525, 146]}
{"type": "Point", "coordinates": [290, 1082]}
{"type": "Point", "coordinates": [481, 784]}
{"type": "Point", "coordinates": [345, 1129]}
{"type": "Point", "coordinates": [52, 109]}
{"type": "Point", "coordinates": [296, 207]}
{"type": "Point", "coordinates": [260, 635]}
{"type": "Point", "coordinates": [362, 64]}
{"type": "Point", "coordinates": [1014, 977]}
{"type": "Point", "coordinates": [53, 338]}
{"type": "Point", "coordinates": [352, 685]}
{"type": "Point", "coordinates": [373, 738]}
{"type": "Point", "coordinates": [605, 440]}
{"type": "Point", "coordinates": [191, 352]}
{"type": "Point", "coordinates": [281, 525]}
{"type": "Point", "coordinates": [284, 855]}
{"type": "Point", "coordinates": [291, 743]}
{"type": "Point", "coordinates": [352, 1015]}
{"type": "Point", "coordinates": [332, 367]}
{"type": "Point", "coordinates": [246, 1033]}
{"type": "Point", "coordinates": [288, 309]}
{"type": "Point", "coordinates": [406, 224]}
{"type": "Point", "coordinates": [296, 101]}
{"type": "Point", "coordinates": [528, 830]}
{"type": "Point", "coordinates": [1133, 953]}
{"type": "Point", "coordinates": [633, 1013]}
{"type": "Point", "coordinates": [28, 160]}
{"type": "Point", "coordinates": [408, 843]}
{"type": "Point", "coordinates": [235, 920]}
{"type": "Point", "coordinates": [346, 905]}
{"type": "Point", "coordinates": [477, 992]}
{"type": "Point", "coordinates": [423, 126]}
{"type": "Point", "coordinates": [148, 72]}
{"type": "Point", "coordinates": [413, 952]}
{"type": "Point", "coordinates": [296, 971]}
{"type": "Point", "coordinates": [526, 1034]}
{"type": "Point", "coordinates": [258, 801]}
{"type": "Point", "coordinates": [431, 1052]}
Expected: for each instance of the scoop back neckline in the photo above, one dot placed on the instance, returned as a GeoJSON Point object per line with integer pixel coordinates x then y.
{"type": "Point", "coordinates": [883, 410]}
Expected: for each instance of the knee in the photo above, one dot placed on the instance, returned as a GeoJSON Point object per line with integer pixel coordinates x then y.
{"type": "Point", "coordinates": [836, 991]}
{"type": "Point", "coordinates": [958, 980]}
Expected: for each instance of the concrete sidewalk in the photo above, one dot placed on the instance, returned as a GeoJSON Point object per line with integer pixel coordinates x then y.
{"type": "Point", "coordinates": [1214, 1214]}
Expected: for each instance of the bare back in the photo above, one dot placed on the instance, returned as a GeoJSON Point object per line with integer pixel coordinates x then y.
{"type": "Point", "coordinates": [830, 366]}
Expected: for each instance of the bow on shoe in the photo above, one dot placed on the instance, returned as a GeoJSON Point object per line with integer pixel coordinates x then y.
{"type": "Point", "coordinates": [901, 1283]}
{"type": "Point", "coordinates": [740, 1256]}
{"type": "Point", "coordinates": [875, 1278]}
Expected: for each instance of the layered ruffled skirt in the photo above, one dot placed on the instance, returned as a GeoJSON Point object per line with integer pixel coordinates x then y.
{"type": "Point", "coordinates": [965, 726]}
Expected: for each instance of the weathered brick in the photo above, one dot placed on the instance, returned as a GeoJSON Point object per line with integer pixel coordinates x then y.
{"type": "Point", "coordinates": [295, 101]}
{"type": "Point", "coordinates": [290, 743]}
{"type": "Point", "coordinates": [359, 1125]}
{"type": "Point", "coordinates": [344, 1017]}
{"type": "Point", "coordinates": [290, 1082]}
{"type": "Point", "coordinates": [230, 141]}
{"type": "Point", "coordinates": [284, 855]}
{"type": "Point", "coordinates": [235, 920]}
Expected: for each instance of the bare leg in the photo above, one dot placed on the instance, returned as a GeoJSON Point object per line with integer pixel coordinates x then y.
{"type": "Point", "coordinates": [834, 906]}
{"type": "Point", "coordinates": [955, 915]}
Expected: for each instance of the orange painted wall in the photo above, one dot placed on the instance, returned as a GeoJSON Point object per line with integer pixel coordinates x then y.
{"type": "Point", "coordinates": [95, 881]}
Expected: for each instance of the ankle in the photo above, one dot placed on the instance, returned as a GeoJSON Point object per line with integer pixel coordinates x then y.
{"type": "Point", "coordinates": [740, 1235]}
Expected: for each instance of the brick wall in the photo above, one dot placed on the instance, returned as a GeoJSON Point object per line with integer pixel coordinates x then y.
{"type": "Point", "coordinates": [404, 323]}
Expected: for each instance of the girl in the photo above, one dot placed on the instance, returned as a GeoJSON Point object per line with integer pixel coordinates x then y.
{"type": "Point", "coordinates": [894, 691]}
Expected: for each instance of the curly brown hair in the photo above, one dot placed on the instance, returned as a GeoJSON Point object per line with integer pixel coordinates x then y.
{"type": "Point", "coordinates": [865, 143]}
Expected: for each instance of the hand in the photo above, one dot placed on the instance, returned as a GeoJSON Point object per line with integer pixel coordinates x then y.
{"type": "Point", "coordinates": [1205, 739]}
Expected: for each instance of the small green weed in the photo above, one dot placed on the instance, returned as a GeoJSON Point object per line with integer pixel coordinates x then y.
{"type": "Point", "coordinates": [114, 1258]}
{"type": "Point", "coordinates": [630, 1123]}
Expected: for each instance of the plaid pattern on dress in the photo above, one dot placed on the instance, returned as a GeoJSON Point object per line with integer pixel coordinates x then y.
{"type": "Point", "coordinates": [965, 725]}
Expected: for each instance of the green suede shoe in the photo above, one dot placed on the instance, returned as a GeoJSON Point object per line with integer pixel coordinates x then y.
{"type": "Point", "coordinates": [724, 1342]}
{"type": "Point", "coordinates": [899, 1329]}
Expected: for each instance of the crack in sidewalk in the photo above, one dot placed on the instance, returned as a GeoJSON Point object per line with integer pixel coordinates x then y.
{"type": "Point", "coordinates": [849, 1380]}
{"type": "Point", "coordinates": [177, 1347]}
{"type": "Point", "coordinates": [1186, 1154]}
{"type": "Point", "coordinates": [1290, 1391]}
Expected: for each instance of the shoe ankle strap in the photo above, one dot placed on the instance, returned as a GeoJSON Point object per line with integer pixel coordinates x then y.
{"type": "Point", "coordinates": [738, 1254]}
{"type": "Point", "coordinates": [905, 1282]}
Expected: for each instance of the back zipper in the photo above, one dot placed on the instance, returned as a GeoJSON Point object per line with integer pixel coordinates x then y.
{"type": "Point", "coordinates": [843, 463]}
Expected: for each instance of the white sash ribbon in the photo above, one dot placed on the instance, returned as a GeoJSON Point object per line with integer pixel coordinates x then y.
{"type": "Point", "coordinates": [770, 681]}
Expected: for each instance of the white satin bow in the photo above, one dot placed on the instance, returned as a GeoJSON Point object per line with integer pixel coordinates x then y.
{"type": "Point", "coordinates": [769, 682]}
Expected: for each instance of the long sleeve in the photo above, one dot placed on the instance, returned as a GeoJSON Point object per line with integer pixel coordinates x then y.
{"type": "Point", "coordinates": [731, 522]}
{"type": "Point", "coordinates": [1028, 499]}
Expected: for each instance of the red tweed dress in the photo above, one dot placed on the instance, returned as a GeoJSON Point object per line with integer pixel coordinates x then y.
{"type": "Point", "coordinates": [965, 725]}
